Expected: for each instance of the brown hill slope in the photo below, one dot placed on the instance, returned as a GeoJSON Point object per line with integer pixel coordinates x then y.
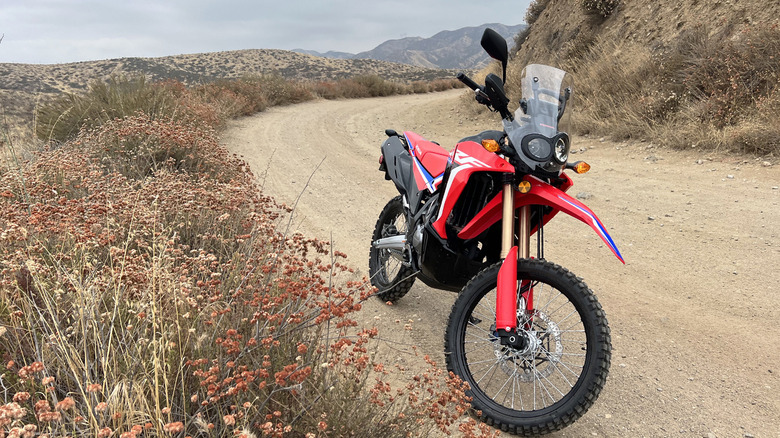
{"type": "Point", "coordinates": [447, 49]}
{"type": "Point", "coordinates": [688, 73]}
{"type": "Point", "coordinates": [21, 85]}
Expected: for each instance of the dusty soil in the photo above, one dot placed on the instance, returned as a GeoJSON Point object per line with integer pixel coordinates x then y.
{"type": "Point", "coordinates": [694, 312]}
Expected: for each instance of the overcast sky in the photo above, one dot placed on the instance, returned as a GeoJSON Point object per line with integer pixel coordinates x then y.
{"type": "Point", "coordinates": [58, 31]}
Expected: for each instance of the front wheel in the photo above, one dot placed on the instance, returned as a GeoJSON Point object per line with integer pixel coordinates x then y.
{"type": "Point", "coordinates": [557, 373]}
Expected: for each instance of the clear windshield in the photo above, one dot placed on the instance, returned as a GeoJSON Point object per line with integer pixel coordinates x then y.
{"type": "Point", "coordinates": [543, 93]}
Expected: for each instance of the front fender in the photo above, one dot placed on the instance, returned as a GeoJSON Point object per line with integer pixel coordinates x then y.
{"type": "Point", "coordinates": [540, 193]}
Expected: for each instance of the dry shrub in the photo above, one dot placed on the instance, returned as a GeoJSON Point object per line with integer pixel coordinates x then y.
{"type": "Point", "coordinates": [148, 287]}
{"type": "Point", "coordinates": [757, 132]}
{"type": "Point", "coordinates": [119, 96]}
{"type": "Point", "coordinates": [375, 86]}
{"type": "Point", "coordinates": [357, 87]}
{"type": "Point", "coordinates": [707, 90]}
{"type": "Point", "coordinates": [419, 87]}
{"type": "Point", "coordinates": [275, 89]}
{"type": "Point", "coordinates": [534, 10]}
{"type": "Point", "coordinates": [139, 146]}
{"type": "Point", "coordinates": [231, 98]}
{"type": "Point", "coordinates": [213, 103]}
{"type": "Point", "coordinates": [612, 91]}
{"type": "Point", "coordinates": [599, 8]}
{"type": "Point", "coordinates": [731, 74]}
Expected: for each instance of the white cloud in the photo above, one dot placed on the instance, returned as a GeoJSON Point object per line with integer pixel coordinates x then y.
{"type": "Point", "coordinates": [52, 31]}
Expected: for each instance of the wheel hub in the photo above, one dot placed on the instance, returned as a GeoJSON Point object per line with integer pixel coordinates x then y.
{"type": "Point", "coordinates": [535, 355]}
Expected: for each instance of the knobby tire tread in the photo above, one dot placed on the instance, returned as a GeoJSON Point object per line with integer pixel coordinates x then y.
{"type": "Point", "coordinates": [404, 280]}
{"type": "Point", "coordinates": [602, 356]}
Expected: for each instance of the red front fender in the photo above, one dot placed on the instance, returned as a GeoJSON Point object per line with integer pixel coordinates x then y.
{"type": "Point", "coordinates": [541, 193]}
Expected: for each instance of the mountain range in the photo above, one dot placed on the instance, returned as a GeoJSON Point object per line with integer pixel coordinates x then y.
{"type": "Point", "coordinates": [449, 49]}
{"type": "Point", "coordinates": [22, 86]}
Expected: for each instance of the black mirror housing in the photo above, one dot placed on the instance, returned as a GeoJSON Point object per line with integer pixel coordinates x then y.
{"type": "Point", "coordinates": [495, 46]}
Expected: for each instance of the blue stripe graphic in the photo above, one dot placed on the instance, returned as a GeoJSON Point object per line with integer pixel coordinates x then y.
{"type": "Point", "coordinates": [598, 224]}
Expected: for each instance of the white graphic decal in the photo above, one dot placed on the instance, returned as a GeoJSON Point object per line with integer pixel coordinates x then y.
{"type": "Point", "coordinates": [463, 158]}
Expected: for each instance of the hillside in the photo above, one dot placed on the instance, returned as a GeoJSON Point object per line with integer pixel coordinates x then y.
{"type": "Point", "coordinates": [449, 49]}
{"type": "Point", "coordinates": [22, 85]}
{"type": "Point", "coordinates": [685, 74]}
{"type": "Point", "coordinates": [329, 54]}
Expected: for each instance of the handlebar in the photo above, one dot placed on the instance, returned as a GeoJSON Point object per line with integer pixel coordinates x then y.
{"type": "Point", "coordinates": [467, 80]}
{"type": "Point", "coordinates": [482, 97]}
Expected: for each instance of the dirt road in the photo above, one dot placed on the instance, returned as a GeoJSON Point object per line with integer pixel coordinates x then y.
{"type": "Point", "coordinates": [694, 313]}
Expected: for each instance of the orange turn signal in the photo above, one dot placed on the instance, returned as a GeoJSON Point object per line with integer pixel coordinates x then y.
{"type": "Point", "coordinates": [491, 145]}
{"type": "Point", "coordinates": [581, 167]}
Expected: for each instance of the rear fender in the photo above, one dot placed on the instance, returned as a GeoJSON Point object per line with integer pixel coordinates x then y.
{"type": "Point", "coordinates": [540, 193]}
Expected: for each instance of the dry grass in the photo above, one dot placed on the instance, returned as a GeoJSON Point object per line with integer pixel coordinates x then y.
{"type": "Point", "coordinates": [708, 91]}
{"type": "Point", "coordinates": [656, 71]}
{"type": "Point", "coordinates": [64, 117]}
{"type": "Point", "coordinates": [25, 84]}
{"type": "Point", "coordinates": [149, 288]}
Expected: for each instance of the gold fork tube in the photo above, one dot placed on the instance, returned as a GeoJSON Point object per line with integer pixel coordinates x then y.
{"type": "Point", "coordinates": [507, 220]}
{"type": "Point", "coordinates": [524, 233]}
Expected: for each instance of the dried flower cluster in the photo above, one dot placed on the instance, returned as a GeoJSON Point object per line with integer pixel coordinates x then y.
{"type": "Point", "coordinates": [148, 288]}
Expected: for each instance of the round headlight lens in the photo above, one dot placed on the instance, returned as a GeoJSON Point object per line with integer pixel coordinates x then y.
{"type": "Point", "coordinates": [539, 149]}
{"type": "Point", "coordinates": [561, 150]}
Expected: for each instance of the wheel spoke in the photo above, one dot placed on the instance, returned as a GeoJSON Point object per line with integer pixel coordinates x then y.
{"type": "Point", "coordinates": [554, 363]}
{"type": "Point", "coordinates": [510, 378]}
{"type": "Point", "coordinates": [542, 371]}
{"type": "Point", "coordinates": [491, 369]}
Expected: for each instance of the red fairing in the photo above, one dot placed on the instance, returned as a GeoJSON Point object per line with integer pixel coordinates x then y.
{"type": "Point", "coordinates": [468, 157]}
{"type": "Point", "coordinates": [541, 193]}
{"type": "Point", "coordinates": [429, 161]}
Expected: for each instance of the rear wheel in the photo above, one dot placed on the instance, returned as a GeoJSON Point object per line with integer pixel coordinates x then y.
{"type": "Point", "coordinates": [386, 268]}
{"type": "Point", "coordinates": [557, 373]}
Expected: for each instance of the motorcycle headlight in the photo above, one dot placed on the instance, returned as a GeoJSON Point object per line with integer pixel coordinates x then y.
{"type": "Point", "coordinates": [561, 150]}
{"type": "Point", "coordinates": [538, 148]}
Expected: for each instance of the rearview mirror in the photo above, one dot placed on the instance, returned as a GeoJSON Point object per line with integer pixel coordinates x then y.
{"type": "Point", "coordinates": [495, 46]}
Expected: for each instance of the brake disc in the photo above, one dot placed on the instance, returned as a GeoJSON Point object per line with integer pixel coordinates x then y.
{"type": "Point", "coordinates": [540, 356]}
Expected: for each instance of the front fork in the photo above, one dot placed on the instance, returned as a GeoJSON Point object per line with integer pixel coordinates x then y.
{"type": "Point", "coordinates": [506, 296]}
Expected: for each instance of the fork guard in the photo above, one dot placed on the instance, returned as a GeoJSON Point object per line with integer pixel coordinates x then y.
{"type": "Point", "coordinates": [540, 193]}
{"type": "Point", "coordinates": [506, 294]}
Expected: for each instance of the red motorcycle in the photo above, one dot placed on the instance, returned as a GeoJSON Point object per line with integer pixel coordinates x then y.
{"type": "Point", "coordinates": [528, 336]}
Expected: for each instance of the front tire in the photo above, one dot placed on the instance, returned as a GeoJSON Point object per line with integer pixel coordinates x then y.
{"type": "Point", "coordinates": [558, 374]}
{"type": "Point", "coordinates": [388, 274]}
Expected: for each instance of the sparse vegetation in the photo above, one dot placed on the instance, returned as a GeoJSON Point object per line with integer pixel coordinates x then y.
{"type": "Point", "coordinates": [600, 8]}
{"type": "Point", "coordinates": [105, 100]}
{"type": "Point", "coordinates": [535, 9]}
{"type": "Point", "coordinates": [708, 92]}
{"type": "Point", "coordinates": [707, 83]}
{"type": "Point", "coordinates": [149, 288]}
{"type": "Point", "coordinates": [215, 102]}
